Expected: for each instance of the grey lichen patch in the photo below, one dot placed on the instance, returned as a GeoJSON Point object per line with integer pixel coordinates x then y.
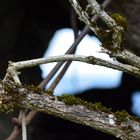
{"type": "Point", "coordinates": [72, 100]}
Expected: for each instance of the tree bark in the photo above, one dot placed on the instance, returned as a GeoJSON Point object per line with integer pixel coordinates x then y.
{"type": "Point", "coordinates": [94, 115]}
{"type": "Point", "coordinates": [130, 9]}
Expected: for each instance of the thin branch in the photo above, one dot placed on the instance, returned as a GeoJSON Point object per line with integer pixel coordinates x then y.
{"type": "Point", "coordinates": [74, 22]}
{"type": "Point", "coordinates": [16, 131]}
{"type": "Point", "coordinates": [66, 66]}
{"type": "Point", "coordinates": [128, 57]}
{"type": "Point", "coordinates": [59, 76]}
{"type": "Point", "coordinates": [101, 13]}
{"type": "Point", "coordinates": [86, 59]}
{"type": "Point", "coordinates": [83, 16]}
{"type": "Point", "coordinates": [69, 51]}
{"type": "Point", "coordinates": [23, 121]}
{"type": "Point", "coordinates": [73, 46]}
{"type": "Point", "coordinates": [14, 74]}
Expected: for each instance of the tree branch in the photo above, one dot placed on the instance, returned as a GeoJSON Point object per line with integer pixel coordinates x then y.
{"type": "Point", "coordinates": [50, 105]}
{"type": "Point", "coordinates": [133, 70]}
{"type": "Point", "coordinates": [79, 111]}
{"type": "Point", "coordinates": [93, 115]}
{"type": "Point", "coordinates": [99, 120]}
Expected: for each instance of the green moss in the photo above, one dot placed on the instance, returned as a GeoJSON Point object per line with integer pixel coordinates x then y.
{"type": "Point", "coordinates": [71, 100]}
{"type": "Point", "coordinates": [120, 20]}
{"type": "Point", "coordinates": [121, 115]}
{"type": "Point", "coordinates": [124, 115]}
{"type": "Point", "coordinates": [10, 98]}
{"type": "Point", "coordinates": [8, 103]}
{"type": "Point", "coordinates": [38, 90]}
{"type": "Point", "coordinates": [33, 88]}
{"type": "Point", "coordinates": [49, 92]}
{"type": "Point", "coordinates": [106, 37]}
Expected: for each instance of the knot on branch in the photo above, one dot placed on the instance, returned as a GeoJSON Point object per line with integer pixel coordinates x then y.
{"type": "Point", "coordinates": [9, 96]}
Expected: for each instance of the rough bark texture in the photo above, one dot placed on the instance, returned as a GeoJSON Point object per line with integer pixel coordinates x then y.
{"type": "Point", "coordinates": [103, 121]}
{"type": "Point", "coordinates": [122, 126]}
{"type": "Point", "coordinates": [130, 9]}
{"type": "Point", "coordinates": [29, 35]}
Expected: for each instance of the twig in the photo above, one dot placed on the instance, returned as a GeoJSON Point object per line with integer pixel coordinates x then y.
{"type": "Point", "coordinates": [101, 13]}
{"type": "Point", "coordinates": [69, 51]}
{"type": "Point", "coordinates": [74, 23]}
{"type": "Point", "coordinates": [73, 46]}
{"type": "Point", "coordinates": [23, 121]}
{"type": "Point", "coordinates": [131, 58]}
{"type": "Point", "coordinates": [16, 131]}
{"type": "Point", "coordinates": [86, 59]}
{"type": "Point", "coordinates": [59, 76]}
{"type": "Point", "coordinates": [66, 66]}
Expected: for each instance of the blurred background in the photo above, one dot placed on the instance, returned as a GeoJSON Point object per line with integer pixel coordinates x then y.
{"type": "Point", "coordinates": [33, 29]}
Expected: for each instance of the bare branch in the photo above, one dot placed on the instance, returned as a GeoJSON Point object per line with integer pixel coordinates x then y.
{"type": "Point", "coordinates": [102, 14]}
{"type": "Point", "coordinates": [86, 59]}
{"type": "Point", "coordinates": [128, 57]}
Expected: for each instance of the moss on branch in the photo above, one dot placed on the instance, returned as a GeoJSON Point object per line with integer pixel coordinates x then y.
{"type": "Point", "coordinates": [36, 89]}
{"type": "Point", "coordinates": [120, 20]}
{"type": "Point", "coordinates": [72, 100]}
{"type": "Point", "coordinates": [9, 97]}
